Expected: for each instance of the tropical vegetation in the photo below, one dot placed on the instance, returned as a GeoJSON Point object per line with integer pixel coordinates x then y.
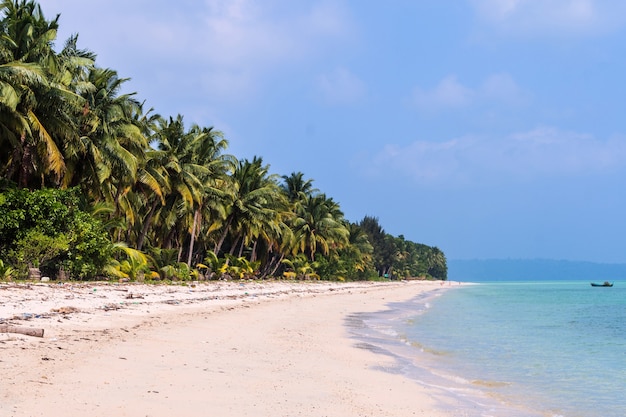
{"type": "Point", "coordinates": [93, 185]}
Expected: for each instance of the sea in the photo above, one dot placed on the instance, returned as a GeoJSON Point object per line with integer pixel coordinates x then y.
{"type": "Point", "coordinates": [509, 349]}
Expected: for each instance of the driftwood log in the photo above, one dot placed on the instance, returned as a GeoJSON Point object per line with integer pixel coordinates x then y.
{"type": "Point", "coordinates": [28, 331]}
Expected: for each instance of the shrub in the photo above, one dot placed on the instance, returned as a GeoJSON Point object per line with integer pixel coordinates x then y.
{"type": "Point", "coordinates": [47, 228]}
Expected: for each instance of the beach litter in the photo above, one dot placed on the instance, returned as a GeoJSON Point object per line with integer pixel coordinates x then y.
{"type": "Point", "coordinates": [28, 331]}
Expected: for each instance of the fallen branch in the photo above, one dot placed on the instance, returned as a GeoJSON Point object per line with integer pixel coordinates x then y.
{"type": "Point", "coordinates": [28, 331]}
{"type": "Point", "coordinates": [132, 296]}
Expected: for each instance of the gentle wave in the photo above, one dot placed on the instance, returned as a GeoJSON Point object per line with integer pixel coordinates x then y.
{"type": "Point", "coordinates": [518, 349]}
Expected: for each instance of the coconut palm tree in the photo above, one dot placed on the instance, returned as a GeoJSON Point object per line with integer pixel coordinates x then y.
{"type": "Point", "coordinates": [385, 248]}
{"type": "Point", "coordinates": [37, 105]}
{"type": "Point", "coordinates": [255, 208]}
{"type": "Point", "coordinates": [437, 265]}
{"type": "Point", "coordinates": [319, 225]}
{"type": "Point", "coordinates": [185, 178]}
{"type": "Point", "coordinates": [196, 173]}
{"type": "Point", "coordinates": [12, 123]}
{"type": "Point", "coordinates": [358, 253]}
{"type": "Point", "coordinates": [106, 158]}
{"type": "Point", "coordinates": [209, 147]}
{"type": "Point", "coordinates": [296, 187]}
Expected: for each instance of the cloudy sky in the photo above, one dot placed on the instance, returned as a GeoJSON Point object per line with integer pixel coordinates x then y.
{"type": "Point", "coordinates": [488, 128]}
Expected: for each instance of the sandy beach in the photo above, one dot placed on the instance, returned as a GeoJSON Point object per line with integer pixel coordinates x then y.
{"type": "Point", "coordinates": [218, 348]}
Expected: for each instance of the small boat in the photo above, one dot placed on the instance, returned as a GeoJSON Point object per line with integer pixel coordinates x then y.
{"type": "Point", "coordinates": [604, 284]}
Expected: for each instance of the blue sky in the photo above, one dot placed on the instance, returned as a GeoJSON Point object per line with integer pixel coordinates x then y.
{"type": "Point", "coordinates": [488, 128]}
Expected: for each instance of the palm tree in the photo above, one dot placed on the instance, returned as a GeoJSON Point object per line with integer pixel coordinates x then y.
{"type": "Point", "coordinates": [37, 104]}
{"type": "Point", "coordinates": [185, 178]}
{"type": "Point", "coordinates": [300, 268]}
{"type": "Point", "coordinates": [384, 245]}
{"type": "Point", "coordinates": [359, 250]}
{"type": "Point", "coordinates": [296, 187]}
{"type": "Point", "coordinates": [437, 266]}
{"type": "Point", "coordinates": [319, 225]}
{"type": "Point", "coordinates": [106, 158]}
{"type": "Point", "coordinates": [255, 210]}
{"type": "Point", "coordinates": [209, 148]}
{"type": "Point", "coordinates": [12, 123]}
{"type": "Point", "coordinates": [196, 174]}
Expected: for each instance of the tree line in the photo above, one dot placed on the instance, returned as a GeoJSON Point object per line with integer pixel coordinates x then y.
{"type": "Point", "coordinates": [93, 185]}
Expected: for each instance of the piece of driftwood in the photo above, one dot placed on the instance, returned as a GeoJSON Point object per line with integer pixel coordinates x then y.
{"type": "Point", "coordinates": [28, 331]}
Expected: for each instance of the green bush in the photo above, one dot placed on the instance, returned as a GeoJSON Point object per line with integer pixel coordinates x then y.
{"type": "Point", "coordinates": [48, 229]}
{"type": "Point", "coordinates": [35, 249]}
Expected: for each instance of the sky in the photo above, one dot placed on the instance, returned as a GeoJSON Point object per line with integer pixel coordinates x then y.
{"type": "Point", "coordinates": [487, 128]}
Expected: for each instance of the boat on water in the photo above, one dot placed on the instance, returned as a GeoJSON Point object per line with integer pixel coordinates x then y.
{"type": "Point", "coordinates": [604, 284]}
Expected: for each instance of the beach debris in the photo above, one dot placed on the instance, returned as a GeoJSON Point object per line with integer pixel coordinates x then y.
{"type": "Point", "coordinates": [111, 306]}
{"type": "Point", "coordinates": [28, 331]}
{"type": "Point", "coordinates": [132, 296]}
{"type": "Point", "coordinates": [66, 310]}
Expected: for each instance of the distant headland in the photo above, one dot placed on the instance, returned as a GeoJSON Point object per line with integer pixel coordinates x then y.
{"type": "Point", "coordinates": [480, 270]}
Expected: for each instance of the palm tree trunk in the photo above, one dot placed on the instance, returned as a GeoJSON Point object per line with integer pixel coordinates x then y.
{"type": "Point", "coordinates": [193, 235]}
{"type": "Point", "coordinates": [234, 245]}
{"type": "Point", "coordinates": [169, 238]}
{"type": "Point", "coordinates": [282, 256]}
{"type": "Point", "coordinates": [219, 244]}
{"type": "Point", "coordinates": [146, 224]}
{"type": "Point", "coordinates": [26, 157]}
{"type": "Point", "coordinates": [253, 254]}
{"type": "Point", "coordinates": [116, 198]}
{"type": "Point", "coordinates": [243, 243]}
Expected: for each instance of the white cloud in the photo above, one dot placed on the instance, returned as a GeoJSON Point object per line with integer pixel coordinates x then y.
{"type": "Point", "coordinates": [238, 34]}
{"type": "Point", "coordinates": [246, 34]}
{"type": "Point", "coordinates": [235, 44]}
{"type": "Point", "coordinates": [449, 93]}
{"type": "Point", "coordinates": [502, 88]}
{"type": "Point", "coordinates": [551, 17]}
{"type": "Point", "coordinates": [341, 87]}
{"type": "Point", "coordinates": [536, 154]}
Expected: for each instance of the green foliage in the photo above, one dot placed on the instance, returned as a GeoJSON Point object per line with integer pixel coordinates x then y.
{"type": "Point", "coordinates": [301, 267]}
{"type": "Point", "coordinates": [179, 271]}
{"type": "Point", "coordinates": [240, 267]}
{"type": "Point", "coordinates": [129, 263]}
{"type": "Point", "coordinates": [90, 247]}
{"type": "Point", "coordinates": [216, 267]}
{"type": "Point", "coordinates": [22, 210]}
{"type": "Point", "coordinates": [47, 228]}
{"type": "Point", "coordinates": [418, 260]}
{"type": "Point", "coordinates": [6, 271]}
{"type": "Point", "coordinates": [384, 249]}
{"type": "Point", "coordinates": [160, 261]}
{"type": "Point", "coordinates": [344, 267]}
{"type": "Point", "coordinates": [401, 258]}
{"type": "Point", "coordinates": [351, 262]}
{"type": "Point", "coordinates": [35, 249]}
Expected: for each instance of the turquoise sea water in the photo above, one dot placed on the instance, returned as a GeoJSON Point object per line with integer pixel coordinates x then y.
{"type": "Point", "coordinates": [510, 349]}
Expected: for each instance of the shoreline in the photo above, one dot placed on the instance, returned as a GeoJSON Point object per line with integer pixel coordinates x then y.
{"type": "Point", "coordinates": [235, 348]}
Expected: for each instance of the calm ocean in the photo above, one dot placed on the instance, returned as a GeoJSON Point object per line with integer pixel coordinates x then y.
{"type": "Point", "coordinates": [510, 349]}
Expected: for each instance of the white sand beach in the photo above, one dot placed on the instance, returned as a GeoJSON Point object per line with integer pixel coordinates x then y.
{"type": "Point", "coordinates": [214, 349]}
